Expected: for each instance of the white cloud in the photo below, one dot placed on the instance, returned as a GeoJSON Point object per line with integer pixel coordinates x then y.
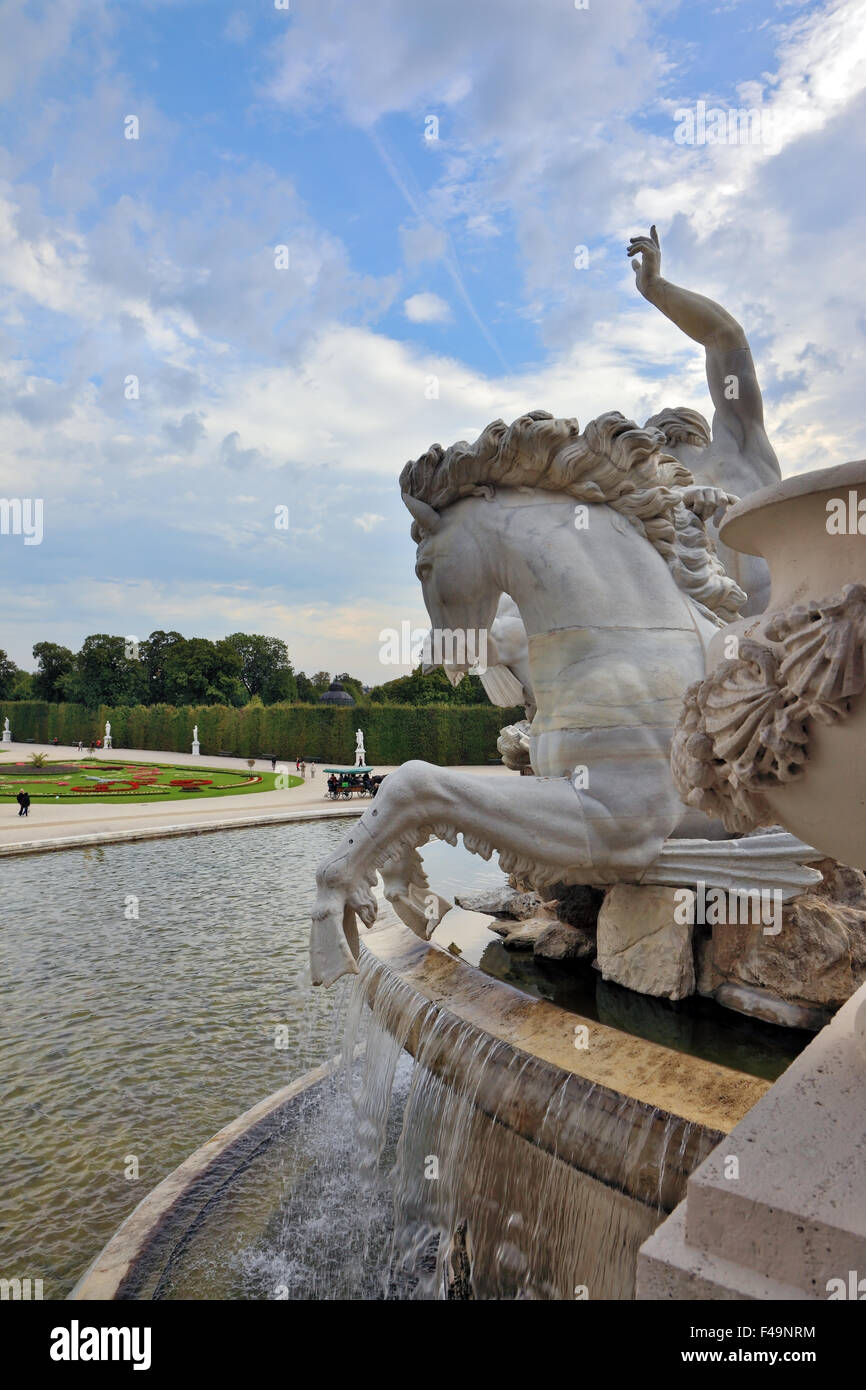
{"type": "Point", "coordinates": [368, 521]}
{"type": "Point", "coordinates": [427, 308]}
{"type": "Point", "coordinates": [337, 636]}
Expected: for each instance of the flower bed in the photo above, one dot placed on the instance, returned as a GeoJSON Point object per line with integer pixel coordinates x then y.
{"type": "Point", "coordinates": [119, 780]}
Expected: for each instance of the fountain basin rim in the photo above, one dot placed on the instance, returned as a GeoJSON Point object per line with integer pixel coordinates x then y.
{"type": "Point", "coordinates": [115, 1273]}
{"type": "Point", "coordinates": [741, 530]}
{"type": "Point", "coordinates": [698, 1091]}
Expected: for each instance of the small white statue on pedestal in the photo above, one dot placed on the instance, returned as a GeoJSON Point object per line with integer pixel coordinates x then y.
{"type": "Point", "coordinates": [196, 746]}
{"type": "Point", "coordinates": [360, 755]}
{"type": "Point", "coordinates": [106, 743]}
{"type": "Point", "coordinates": [7, 732]}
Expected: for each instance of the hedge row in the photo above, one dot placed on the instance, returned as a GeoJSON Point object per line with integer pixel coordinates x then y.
{"type": "Point", "coordinates": [443, 734]}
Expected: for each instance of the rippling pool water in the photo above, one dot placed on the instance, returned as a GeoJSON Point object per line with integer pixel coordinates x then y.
{"type": "Point", "coordinates": [128, 1041]}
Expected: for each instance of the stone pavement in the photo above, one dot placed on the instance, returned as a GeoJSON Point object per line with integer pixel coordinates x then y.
{"type": "Point", "coordinates": [58, 825]}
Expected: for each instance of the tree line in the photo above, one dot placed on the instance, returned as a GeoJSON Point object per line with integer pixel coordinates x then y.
{"type": "Point", "coordinates": [167, 668]}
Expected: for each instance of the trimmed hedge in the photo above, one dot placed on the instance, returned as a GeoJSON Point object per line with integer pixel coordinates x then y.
{"type": "Point", "coordinates": [443, 734]}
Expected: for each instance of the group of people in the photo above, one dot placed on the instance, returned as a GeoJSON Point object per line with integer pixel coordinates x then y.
{"type": "Point", "coordinates": [346, 783]}
{"type": "Point", "coordinates": [300, 766]}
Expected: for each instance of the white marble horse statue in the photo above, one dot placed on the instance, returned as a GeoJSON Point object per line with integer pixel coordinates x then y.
{"type": "Point", "coordinates": [599, 538]}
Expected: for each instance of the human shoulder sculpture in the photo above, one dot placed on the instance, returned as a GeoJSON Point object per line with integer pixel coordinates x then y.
{"type": "Point", "coordinates": [735, 454]}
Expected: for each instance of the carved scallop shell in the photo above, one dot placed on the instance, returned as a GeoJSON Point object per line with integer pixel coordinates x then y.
{"type": "Point", "coordinates": [824, 661]}
{"type": "Point", "coordinates": [746, 725]}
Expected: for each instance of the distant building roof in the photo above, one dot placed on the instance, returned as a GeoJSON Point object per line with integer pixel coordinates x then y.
{"type": "Point", "coordinates": [336, 695]}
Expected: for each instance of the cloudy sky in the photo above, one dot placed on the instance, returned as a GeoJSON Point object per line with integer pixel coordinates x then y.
{"type": "Point", "coordinates": [169, 378]}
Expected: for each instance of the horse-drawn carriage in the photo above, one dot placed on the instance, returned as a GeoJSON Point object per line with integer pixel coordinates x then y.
{"type": "Point", "coordinates": [345, 782]}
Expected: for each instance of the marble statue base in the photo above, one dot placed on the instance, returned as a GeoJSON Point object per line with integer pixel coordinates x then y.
{"type": "Point", "coordinates": [7, 736]}
{"type": "Point", "coordinates": [196, 748]}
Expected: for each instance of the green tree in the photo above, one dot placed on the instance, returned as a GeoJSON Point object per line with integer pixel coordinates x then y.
{"type": "Point", "coordinates": [154, 655]}
{"type": "Point", "coordinates": [104, 674]}
{"type": "Point", "coordinates": [9, 674]}
{"type": "Point", "coordinates": [265, 667]}
{"type": "Point", "coordinates": [54, 662]}
{"type": "Point", "coordinates": [432, 688]}
{"type": "Point", "coordinates": [311, 687]}
{"type": "Point", "coordinates": [198, 671]}
{"type": "Point", "coordinates": [22, 686]}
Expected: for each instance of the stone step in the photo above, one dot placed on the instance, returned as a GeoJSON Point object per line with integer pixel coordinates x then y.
{"type": "Point", "coordinates": [795, 1212]}
{"type": "Point", "coordinates": [668, 1268]}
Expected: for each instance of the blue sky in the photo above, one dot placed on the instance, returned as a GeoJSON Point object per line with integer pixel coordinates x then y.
{"type": "Point", "coordinates": [410, 258]}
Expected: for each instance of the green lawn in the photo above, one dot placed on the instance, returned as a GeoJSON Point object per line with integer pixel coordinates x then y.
{"type": "Point", "coordinates": [56, 780]}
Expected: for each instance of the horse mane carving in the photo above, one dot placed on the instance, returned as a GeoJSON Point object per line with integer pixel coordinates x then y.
{"type": "Point", "coordinates": [611, 461]}
{"type": "Point", "coordinates": [680, 425]}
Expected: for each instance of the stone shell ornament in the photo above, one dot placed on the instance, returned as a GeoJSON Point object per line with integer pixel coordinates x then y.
{"type": "Point", "coordinates": [776, 734]}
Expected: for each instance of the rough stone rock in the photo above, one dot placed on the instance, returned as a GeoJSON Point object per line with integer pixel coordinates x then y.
{"type": "Point", "coordinates": [817, 959]}
{"type": "Point", "coordinates": [577, 904]}
{"type": "Point", "coordinates": [525, 935]}
{"type": "Point", "coordinates": [641, 945]}
{"type": "Point", "coordinates": [844, 886]}
{"type": "Point", "coordinates": [707, 977]}
{"type": "Point", "coordinates": [761, 1003]}
{"type": "Point", "coordinates": [559, 941]}
{"type": "Point", "coordinates": [500, 902]}
{"type": "Point", "coordinates": [501, 926]}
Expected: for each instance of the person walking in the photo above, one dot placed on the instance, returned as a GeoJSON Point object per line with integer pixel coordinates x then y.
{"type": "Point", "coordinates": [23, 799]}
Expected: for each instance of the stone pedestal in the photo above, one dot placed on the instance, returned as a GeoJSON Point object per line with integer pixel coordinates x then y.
{"type": "Point", "coordinates": [107, 743]}
{"type": "Point", "coordinates": [7, 736]}
{"type": "Point", "coordinates": [778, 1210]}
{"type": "Point", "coordinates": [196, 748]}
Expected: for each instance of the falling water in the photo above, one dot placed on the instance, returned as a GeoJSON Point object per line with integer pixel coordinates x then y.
{"type": "Point", "coordinates": [483, 1210]}
{"type": "Point", "coordinates": [466, 1170]}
